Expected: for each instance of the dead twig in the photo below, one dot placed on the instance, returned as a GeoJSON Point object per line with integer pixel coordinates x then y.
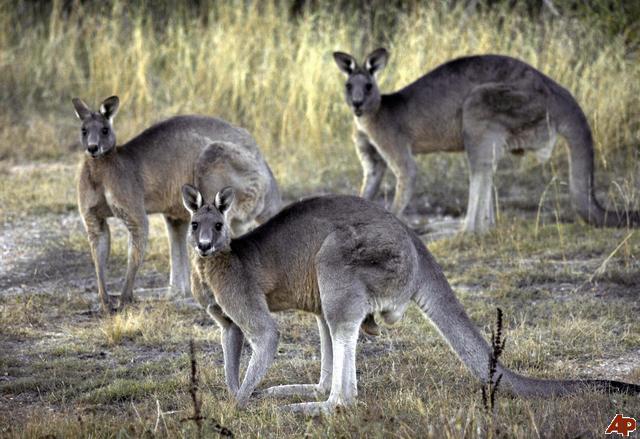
{"type": "Point", "coordinates": [197, 403]}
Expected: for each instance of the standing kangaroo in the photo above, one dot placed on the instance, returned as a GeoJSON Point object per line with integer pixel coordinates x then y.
{"type": "Point", "coordinates": [340, 258]}
{"type": "Point", "coordinates": [484, 105]}
{"type": "Point", "coordinates": [145, 175]}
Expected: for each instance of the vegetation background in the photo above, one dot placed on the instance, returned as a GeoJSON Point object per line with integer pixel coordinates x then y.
{"type": "Point", "coordinates": [267, 66]}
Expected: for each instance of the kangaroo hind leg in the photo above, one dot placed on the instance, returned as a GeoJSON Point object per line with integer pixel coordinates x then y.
{"type": "Point", "coordinates": [323, 386]}
{"type": "Point", "coordinates": [483, 153]}
{"type": "Point", "coordinates": [496, 117]}
{"type": "Point", "coordinates": [344, 304]}
{"type": "Point", "coordinates": [344, 336]}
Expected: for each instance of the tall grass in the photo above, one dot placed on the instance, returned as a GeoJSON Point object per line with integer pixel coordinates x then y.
{"type": "Point", "coordinates": [254, 65]}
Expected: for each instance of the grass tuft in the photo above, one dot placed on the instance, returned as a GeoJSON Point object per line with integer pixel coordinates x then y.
{"type": "Point", "coordinates": [127, 325]}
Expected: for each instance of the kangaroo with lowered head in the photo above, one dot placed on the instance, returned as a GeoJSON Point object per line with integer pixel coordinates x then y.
{"type": "Point", "coordinates": [483, 105]}
{"type": "Point", "coordinates": [144, 176]}
{"type": "Point", "coordinates": [340, 258]}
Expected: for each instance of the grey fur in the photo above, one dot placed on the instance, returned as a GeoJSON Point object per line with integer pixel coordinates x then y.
{"type": "Point", "coordinates": [484, 105]}
{"type": "Point", "coordinates": [145, 175]}
{"type": "Point", "coordinates": [340, 258]}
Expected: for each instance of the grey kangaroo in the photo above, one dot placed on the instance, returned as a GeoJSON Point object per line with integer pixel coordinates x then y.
{"type": "Point", "coordinates": [483, 105]}
{"type": "Point", "coordinates": [340, 258]}
{"type": "Point", "coordinates": [145, 175]}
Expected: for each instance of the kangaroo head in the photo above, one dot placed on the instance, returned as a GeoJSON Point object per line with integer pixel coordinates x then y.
{"type": "Point", "coordinates": [361, 89]}
{"type": "Point", "coordinates": [209, 232]}
{"type": "Point", "coordinates": [97, 134]}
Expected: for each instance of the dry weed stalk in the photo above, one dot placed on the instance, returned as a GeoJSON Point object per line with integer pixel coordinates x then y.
{"type": "Point", "coordinates": [490, 388]}
{"type": "Point", "coordinates": [197, 403]}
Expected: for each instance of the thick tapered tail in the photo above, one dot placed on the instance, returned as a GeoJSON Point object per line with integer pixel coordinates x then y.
{"type": "Point", "coordinates": [574, 127]}
{"type": "Point", "coordinates": [439, 303]}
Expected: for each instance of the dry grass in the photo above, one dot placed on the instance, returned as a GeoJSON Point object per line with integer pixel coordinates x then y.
{"type": "Point", "coordinates": [70, 373]}
{"type": "Point", "coordinates": [254, 67]}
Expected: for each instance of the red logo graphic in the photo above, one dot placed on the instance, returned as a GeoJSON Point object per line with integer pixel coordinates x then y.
{"type": "Point", "coordinates": [621, 425]}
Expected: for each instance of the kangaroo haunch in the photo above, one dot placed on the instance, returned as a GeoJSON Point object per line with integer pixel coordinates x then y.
{"type": "Point", "coordinates": [483, 105]}
{"type": "Point", "coordinates": [340, 258]}
{"type": "Point", "coordinates": [145, 175]}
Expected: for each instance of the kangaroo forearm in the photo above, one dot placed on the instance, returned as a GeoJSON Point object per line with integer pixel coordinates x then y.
{"type": "Point", "coordinates": [260, 362]}
{"type": "Point", "coordinates": [232, 340]}
{"type": "Point", "coordinates": [138, 235]}
{"type": "Point", "coordinates": [99, 243]}
{"type": "Point", "coordinates": [137, 245]}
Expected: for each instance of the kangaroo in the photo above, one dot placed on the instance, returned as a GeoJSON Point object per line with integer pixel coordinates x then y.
{"type": "Point", "coordinates": [483, 105]}
{"type": "Point", "coordinates": [340, 258]}
{"type": "Point", "coordinates": [144, 176]}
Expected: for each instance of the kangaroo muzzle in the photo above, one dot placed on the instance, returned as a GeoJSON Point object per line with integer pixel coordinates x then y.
{"type": "Point", "coordinates": [92, 149]}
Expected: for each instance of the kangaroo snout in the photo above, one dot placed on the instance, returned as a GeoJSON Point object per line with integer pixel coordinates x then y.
{"type": "Point", "coordinates": [205, 247]}
{"type": "Point", "coordinates": [92, 149]}
{"type": "Point", "coordinates": [357, 107]}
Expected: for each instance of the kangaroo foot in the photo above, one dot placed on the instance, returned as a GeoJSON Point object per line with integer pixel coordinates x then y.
{"type": "Point", "coordinates": [305, 390]}
{"type": "Point", "coordinates": [310, 408]}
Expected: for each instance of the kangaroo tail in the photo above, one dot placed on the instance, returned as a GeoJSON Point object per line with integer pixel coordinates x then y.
{"type": "Point", "coordinates": [440, 305]}
{"type": "Point", "coordinates": [574, 127]}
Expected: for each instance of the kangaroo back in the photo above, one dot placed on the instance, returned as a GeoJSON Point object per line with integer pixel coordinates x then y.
{"type": "Point", "coordinates": [240, 166]}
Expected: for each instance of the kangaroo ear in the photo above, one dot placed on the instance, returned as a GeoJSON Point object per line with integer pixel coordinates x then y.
{"type": "Point", "coordinates": [109, 107]}
{"type": "Point", "coordinates": [224, 199]}
{"type": "Point", "coordinates": [82, 110]}
{"type": "Point", "coordinates": [345, 62]}
{"type": "Point", "coordinates": [376, 60]}
{"type": "Point", "coordinates": [191, 198]}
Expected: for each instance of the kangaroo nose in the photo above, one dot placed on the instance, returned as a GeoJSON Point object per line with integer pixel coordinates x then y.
{"type": "Point", "coordinates": [204, 246]}
{"type": "Point", "coordinates": [357, 104]}
{"type": "Point", "coordinates": [92, 149]}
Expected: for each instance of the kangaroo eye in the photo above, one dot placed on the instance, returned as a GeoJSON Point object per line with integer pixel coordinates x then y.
{"type": "Point", "coordinates": [83, 131]}
{"type": "Point", "coordinates": [368, 87]}
{"type": "Point", "coordinates": [194, 226]}
{"type": "Point", "coordinates": [218, 226]}
{"type": "Point", "coordinates": [105, 131]}
{"type": "Point", "coordinates": [349, 87]}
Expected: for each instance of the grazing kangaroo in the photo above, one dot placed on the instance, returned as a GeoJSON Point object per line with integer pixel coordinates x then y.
{"type": "Point", "coordinates": [340, 258]}
{"type": "Point", "coordinates": [145, 175]}
{"type": "Point", "coordinates": [484, 105]}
